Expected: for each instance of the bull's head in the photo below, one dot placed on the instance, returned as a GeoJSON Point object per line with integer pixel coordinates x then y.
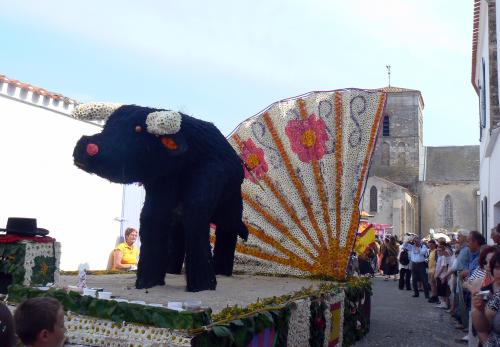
{"type": "Point", "coordinates": [137, 144]}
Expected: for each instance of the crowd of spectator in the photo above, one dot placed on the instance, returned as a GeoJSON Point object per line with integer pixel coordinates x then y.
{"type": "Point", "coordinates": [460, 275]}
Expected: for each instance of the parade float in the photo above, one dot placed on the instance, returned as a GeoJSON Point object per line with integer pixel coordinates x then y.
{"type": "Point", "coordinates": [304, 161]}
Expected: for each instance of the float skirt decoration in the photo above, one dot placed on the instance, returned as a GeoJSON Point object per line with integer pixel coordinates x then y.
{"type": "Point", "coordinates": [306, 161]}
{"type": "Point", "coordinates": [331, 314]}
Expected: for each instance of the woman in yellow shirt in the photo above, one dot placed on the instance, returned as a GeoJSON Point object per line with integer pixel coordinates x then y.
{"type": "Point", "coordinates": [126, 254]}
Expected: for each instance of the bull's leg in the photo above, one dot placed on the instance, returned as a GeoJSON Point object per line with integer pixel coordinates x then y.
{"type": "Point", "coordinates": [199, 203]}
{"type": "Point", "coordinates": [200, 273]}
{"type": "Point", "coordinates": [225, 245]}
{"type": "Point", "coordinates": [155, 233]}
{"type": "Point", "coordinates": [151, 268]}
{"type": "Point", "coordinates": [229, 225]}
{"type": "Point", "coordinates": [175, 257]}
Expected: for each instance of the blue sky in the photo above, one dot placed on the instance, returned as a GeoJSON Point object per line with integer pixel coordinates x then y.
{"type": "Point", "coordinates": [224, 61]}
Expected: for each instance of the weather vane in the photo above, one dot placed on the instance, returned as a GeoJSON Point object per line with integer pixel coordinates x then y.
{"type": "Point", "coordinates": [389, 73]}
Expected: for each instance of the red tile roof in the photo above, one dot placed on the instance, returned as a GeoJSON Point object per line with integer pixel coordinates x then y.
{"type": "Point", "coordinates": [37, 90]}
{"type": "Point", "coordinates": [475, 34]}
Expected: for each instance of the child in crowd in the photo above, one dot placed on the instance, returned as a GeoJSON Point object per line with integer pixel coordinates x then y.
{"type": "Point", "coordinates": [39, 322]}
{"type": "Point", "coordinates": [7, 337]}
{"type": "Point", "coordinates": [443, 262]}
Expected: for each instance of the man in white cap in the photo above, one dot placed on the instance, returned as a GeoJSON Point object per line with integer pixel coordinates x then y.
{"type": "Point", "coordinates": [418, 252]}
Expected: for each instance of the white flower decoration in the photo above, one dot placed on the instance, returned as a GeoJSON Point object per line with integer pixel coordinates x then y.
{"type": "Point", "coordinates": [163, 122]}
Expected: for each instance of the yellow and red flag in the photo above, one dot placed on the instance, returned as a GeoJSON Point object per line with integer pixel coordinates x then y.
{"type": "Point", "coordinates": [364, 238]}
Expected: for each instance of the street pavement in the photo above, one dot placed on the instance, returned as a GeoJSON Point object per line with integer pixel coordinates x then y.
{"type": "Point", "coordinates": [399, 320]}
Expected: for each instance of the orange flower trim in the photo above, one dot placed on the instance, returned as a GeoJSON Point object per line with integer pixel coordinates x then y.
{"type": "Point", "coordinates": [293, 259]}
{"type": "Point", "coordinates": [338, 166]}
{"type": "Point", "coordinates": [355, 215]}
{"type": "Point", "coordinates": [274, 222]}
{"type": "Point", "coordinates": [290, 211]}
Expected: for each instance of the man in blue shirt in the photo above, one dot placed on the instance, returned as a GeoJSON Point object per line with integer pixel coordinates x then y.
{"type": "Point", "coordinates": [418, 253]}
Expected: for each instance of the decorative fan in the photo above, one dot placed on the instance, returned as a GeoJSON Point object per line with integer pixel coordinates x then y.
{"type": "Point", "coordinates": [306, 160]}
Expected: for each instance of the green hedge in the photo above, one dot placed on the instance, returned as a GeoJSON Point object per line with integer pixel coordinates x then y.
{"type": "Point", "coordinates": [116, 311]}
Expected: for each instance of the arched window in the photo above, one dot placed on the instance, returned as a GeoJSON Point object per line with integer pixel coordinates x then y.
{"type": "Point", "coordinates": [402, 154]}
{"type": "Point", "coordinates": [386, 154]}
{"type": "Point", "coordinates": [448, 212]}
{"type": "Point", "coordinates": [386, 126]}
{"type": "Point", "coordinates": [373, 199]}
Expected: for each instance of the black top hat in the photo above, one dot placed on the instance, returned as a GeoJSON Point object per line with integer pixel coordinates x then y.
{"type": "Point", "coordinates": [24, 227]}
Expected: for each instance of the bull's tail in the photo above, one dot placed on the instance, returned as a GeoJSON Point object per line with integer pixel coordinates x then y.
{"type": "Point", "coordinates": [242, 231]}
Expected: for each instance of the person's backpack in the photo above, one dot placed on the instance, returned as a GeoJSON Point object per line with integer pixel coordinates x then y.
{"type": "Point", "coordinates": [404, 258]}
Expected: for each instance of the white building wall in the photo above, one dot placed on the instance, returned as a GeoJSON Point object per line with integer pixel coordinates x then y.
{"type": "Point", "coordinates": [38, 178]}
{"type": "Point", "coordinates": [489, 183]}
{"type": "Point", "coordinates": [494, 187]}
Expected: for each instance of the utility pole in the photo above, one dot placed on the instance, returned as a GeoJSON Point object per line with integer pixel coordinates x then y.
{"type": "Point", "coordinates": [388, 67]}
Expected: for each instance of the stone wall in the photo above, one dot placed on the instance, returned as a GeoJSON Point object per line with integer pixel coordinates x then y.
{"type": "Point", "coordinates": [463, 207]}
{"type": "Point", "coordinates": [395, 206]}
{"type": "Point", "coordinates": [404, 110]}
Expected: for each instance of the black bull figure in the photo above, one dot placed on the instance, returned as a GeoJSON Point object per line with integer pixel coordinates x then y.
{"type": "Point", "coordinates": [192, 177]}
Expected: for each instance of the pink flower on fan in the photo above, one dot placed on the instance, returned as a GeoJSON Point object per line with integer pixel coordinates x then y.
{"type": "Point", "coordinates": [255, 164]}
{"type": "Point", "coordinates": [307, 137]}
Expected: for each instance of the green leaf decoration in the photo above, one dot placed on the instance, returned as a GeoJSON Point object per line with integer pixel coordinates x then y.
{"type": "Point", "coordinates": [222, 331]}
{"type": "Point", "coordinates": [238, 323]}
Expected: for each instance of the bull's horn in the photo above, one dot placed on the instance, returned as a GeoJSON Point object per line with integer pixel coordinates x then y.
{"type": "Point", "coordinates": [163, 122]}
{"type": "Point", "coordinates": [95, 110]}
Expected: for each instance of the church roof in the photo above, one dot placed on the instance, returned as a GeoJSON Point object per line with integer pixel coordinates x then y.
{"type": "Point", "coordinates": [392, 89]}
{"type": "Point", "coordinates": [452, 163]}
{"type": "Point", "coordinates": [386, 181]}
